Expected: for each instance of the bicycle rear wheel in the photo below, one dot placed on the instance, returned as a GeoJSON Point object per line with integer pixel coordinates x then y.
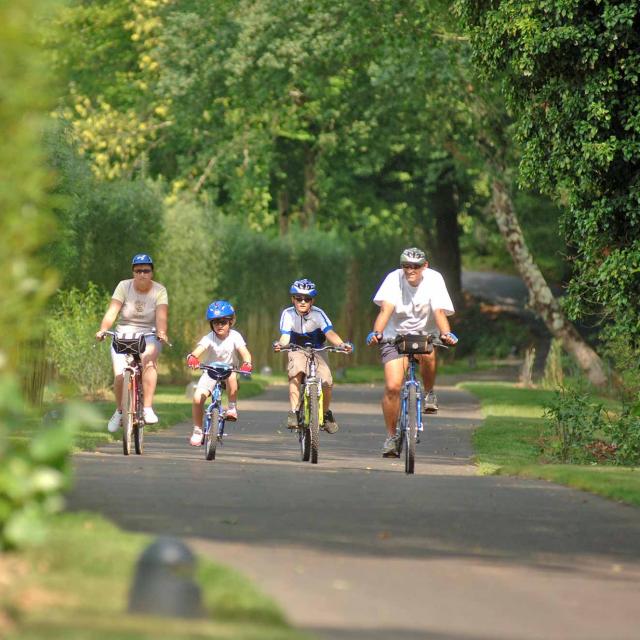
{"type": "Point", "coordinates": [411, 432]}
{"type": "Point", "coordinates": [314, 422]}
{"type": "Point", "coordinates": [128, 411]}
{"type": "Point", "coordinates": [211, 438]}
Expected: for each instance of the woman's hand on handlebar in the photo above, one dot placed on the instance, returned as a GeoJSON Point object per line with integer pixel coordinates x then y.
{"type": "Point", "coordinates": [101, 334]}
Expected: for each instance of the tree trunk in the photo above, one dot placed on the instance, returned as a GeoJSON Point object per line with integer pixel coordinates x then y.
{"type": "Point", "coordinates": [540, 295]}
{"type": "Point", "coordinates": [311, 202]}
{"type": "Point", "coordinates": [283, 211]}
{"type": "Point", "coordinates": [446, 248]}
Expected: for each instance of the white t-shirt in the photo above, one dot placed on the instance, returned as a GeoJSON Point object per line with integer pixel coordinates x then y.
{"type": "Point", "coordinates": [310, 327]}
{"type": "Point", "coordinates": [218, 350]}
{"type": "Point", "coordinates": [138, 312]}
{"type": "Point", "coordinates": [414, 306]}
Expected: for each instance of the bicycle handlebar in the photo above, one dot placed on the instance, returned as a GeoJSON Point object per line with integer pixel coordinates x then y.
{"type": "Point", "coordinates": [145, 334]}
{"type": "Point", "coordinates": [432, 338]}
{"type": "Point", "coordinates": [308, 349]}
{"type": "Point", "coordinates": [208, 367]}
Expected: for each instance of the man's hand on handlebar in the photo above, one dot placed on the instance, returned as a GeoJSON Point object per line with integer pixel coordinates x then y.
{"type": "Point", "coordinates": [449, 338]}
{"type": "Point", "coordinates": [347, 347]}
{"type": "Point", "coordinates": [100, 334]}
{"type": "Point", "coordinates": [276, 346]}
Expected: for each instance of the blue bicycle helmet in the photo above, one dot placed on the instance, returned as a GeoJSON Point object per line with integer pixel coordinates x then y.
{"type": "Point", "coordinates": [141, 258]}
{"type": "Point", "coordinates": [303, 287]}
{"type": "Point", "coordinates": [220, 309]}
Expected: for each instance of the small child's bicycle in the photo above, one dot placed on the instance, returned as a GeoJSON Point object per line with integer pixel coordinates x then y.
{"type": "Point", "coordinates": [214, 420]}
{"type": "Point", "coordinates": [132, 346]}
{"type": "Point", "coordinates": [310, 411]}
{"type": "Point", "coordinates": [410, 423]}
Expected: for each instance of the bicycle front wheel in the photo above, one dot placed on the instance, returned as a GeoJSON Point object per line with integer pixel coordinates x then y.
{"type": "Point", "coordinates": [138, 438]}
{"type": "Point", "coordinates": [128, 411]}
{"type": "Point", "coordinates": [411, 432]}
{"type": "Point", "coordinates": [314, 422]}
{"type": "Point", "coordinates": [211, 437]}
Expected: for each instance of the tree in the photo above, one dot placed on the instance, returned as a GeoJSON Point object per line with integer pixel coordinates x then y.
{"type": "Point", "coordinates": [569, 72]}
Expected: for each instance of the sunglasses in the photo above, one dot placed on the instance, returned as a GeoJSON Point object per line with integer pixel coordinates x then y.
{"type": "Point", "coordinates": [137, 271]}
{"type": "Point", "coordinates": [411, 267]}
{"type": "Point", "coordinates": [221, 321]}
{"type": "Point", "coordinates": [302, 299]}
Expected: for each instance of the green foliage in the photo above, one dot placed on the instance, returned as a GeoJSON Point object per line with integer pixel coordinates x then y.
{"type": "Point", "coordinates": [487, 333]}
{"type": "Point", "coordinates": [96, 218]}
{"type": "Point", "coordinates": [72, 325]}
{"type": "Point", "coordinates": [583, 431]}
{"type": "Point", "coordinates": [570, 75]}
{"type": "Point", "coordinates": [33, 472]}
{"type": "Point", "coordinates": [623, 352]}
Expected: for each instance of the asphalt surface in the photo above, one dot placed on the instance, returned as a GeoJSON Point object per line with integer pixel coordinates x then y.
{"type": "Point", "coordinates": [354, 549]}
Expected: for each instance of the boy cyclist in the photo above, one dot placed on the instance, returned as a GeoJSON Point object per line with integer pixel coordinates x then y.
{"type": "Point", "coordinates": [222, 344]}
{"type": "Point", "coordinates": [304, 324]}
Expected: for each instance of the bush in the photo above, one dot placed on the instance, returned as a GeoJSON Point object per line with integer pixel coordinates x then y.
{"type": "Point", "coordinates": [71, 339]}
{"type": "Point", "coordinates": [582, 431]}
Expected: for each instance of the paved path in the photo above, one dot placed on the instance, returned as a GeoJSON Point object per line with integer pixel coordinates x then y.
{"type": "Point", "coordinates": [354, 549]}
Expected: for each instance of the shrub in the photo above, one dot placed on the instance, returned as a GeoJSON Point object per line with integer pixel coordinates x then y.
{"type": "Point", "coordinates": [71, 342]}
{"type": "Point", "coordinates": [582, 431]}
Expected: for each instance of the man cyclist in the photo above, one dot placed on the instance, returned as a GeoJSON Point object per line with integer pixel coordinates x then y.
{"type": "Point", "coordinates": [304, 324]}
{"type": "Point", "coordinates": [412, 300]}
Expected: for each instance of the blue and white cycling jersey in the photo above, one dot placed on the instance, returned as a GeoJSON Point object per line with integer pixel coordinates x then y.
{"type": "Point", "coordinates": [310, 328]}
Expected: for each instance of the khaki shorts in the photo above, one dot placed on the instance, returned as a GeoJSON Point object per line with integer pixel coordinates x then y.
{"type": "Point", "coordinates": [298, 364]}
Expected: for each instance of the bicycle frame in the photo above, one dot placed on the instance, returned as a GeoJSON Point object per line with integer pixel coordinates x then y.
{"type": "Point", "coordinates": [133, 399]}
{"type": "Point", "coordinates": [410, 422]}
{"type": "Point", "coordinates": [410, 380]}
{"type": "Point", "coordinates": [311, 401]}
{"type": "Point", "coordinates": [214, 418]}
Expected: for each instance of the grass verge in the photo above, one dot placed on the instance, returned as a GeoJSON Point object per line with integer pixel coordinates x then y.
{"type": "Point", "coordinates": [508, 443]}
{"type": "Point", "coordinates": [76, 587]}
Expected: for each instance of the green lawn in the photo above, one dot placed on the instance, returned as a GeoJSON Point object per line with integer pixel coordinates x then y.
{"type": "Point", "coordinates": [76, 587]}
{"type": "Point", "coordinates": [509, 442]}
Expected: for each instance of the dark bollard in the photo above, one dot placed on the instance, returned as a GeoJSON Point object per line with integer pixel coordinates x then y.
{"type": "Point", "coordinates": [164, 584]}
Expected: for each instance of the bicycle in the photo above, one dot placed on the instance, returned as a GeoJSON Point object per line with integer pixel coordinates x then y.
{"type": "Point", "coordinates": [132, 346]}
{"type": "Point", "coordinates": [410, 424]}
{"type": "Point", "coordinates": [214, 420]}
{"type": "Point", "coordinates": [310, 410]}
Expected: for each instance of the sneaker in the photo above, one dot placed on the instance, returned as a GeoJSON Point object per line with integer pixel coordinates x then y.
{"type": "Point", "coordinates": [115, 422]}
{"type": "Point", "coordinates": [292, 420]}
{"type": "Point", "coordinates": [196, 437]}
{"type": "Point", "coordinates": [149, 416]}
{"type": "Point", "coordinates": [231, 414]}
{"type": "Point", "coordinates": [330, 425]}
{"type": "Point", "coordinates": [390, 447]}
{"type": "Point", "coordinates": [430, 403]}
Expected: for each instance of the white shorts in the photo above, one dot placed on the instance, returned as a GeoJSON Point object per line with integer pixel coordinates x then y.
{"type": "Point", "coordinates": [119, 360]}
{"type": "Point", "coordinates": [206, 382]}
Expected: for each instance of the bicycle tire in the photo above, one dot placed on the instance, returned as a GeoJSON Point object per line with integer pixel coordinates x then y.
{"type": "Point", "coordinates": [128, 408]}
{"type": "Point", "coordinates": [138, 439]}
{"type": "Point", "coordinates": [211, 439]}
{"type": "Point", "coordinates": [411, 431]}
{"type": "Point", "coordinates": [314, 422]}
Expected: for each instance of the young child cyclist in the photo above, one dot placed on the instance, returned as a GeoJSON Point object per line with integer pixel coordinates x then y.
{"type": "Point", "coordinates": [222, 344]}
{"type": "Point", "coordinates": [300, 324]}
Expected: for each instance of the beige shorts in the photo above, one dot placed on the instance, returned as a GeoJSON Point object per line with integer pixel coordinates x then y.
{"type": "Point", "coordinates": [298, 364]}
